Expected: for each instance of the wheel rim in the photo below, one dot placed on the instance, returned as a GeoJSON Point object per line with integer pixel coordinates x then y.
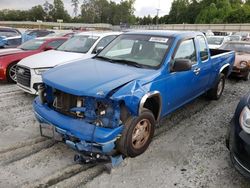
{"type": "Point", "coordinates": [12, 72]}
{"type": "Point", "coordinates": [220, 87]}
{"type": "Point", "coordinates": [141, 133]}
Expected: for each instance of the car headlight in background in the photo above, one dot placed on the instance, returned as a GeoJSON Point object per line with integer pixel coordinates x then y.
{"type": "Point", "coordinates": [243, 64]}
{"type": "Point", "coordinates": [245, 119]}
{"type": "Point", "coordinates": [40, 71]}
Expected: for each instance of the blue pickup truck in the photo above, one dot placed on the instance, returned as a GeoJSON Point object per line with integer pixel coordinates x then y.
{"type": "Point", "coordinates": [110, 104]}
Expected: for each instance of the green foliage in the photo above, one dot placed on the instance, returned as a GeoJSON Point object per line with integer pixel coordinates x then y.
{"type": "Point", "coordinates": [103, 11]}
{"type": "Point", "coordinates": [75, 4]}
{"type": "Point", "coordinates": [58, 11]}
{"type": "Point", "coordinates": [209, 11]}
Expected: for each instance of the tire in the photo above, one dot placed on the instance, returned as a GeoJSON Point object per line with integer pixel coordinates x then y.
{"type": "Point", "coordinates": [11, 73]}
{"type": "Point", "coordinates": [247, 77]}
{"type": "Point", "coordinates": [216, 92]}
{"type": "Point", "coordinates": [132, 147]}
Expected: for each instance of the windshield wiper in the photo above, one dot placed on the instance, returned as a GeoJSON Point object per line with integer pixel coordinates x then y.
{"type": "Point", "coordinates": [121, 61]}
{"type": "Point", "coordinates": [105, 58]}
{"type": "Point", "coordinates": [128, 62]}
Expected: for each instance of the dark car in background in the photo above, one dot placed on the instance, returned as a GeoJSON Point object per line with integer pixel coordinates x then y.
{"type": "Point", "coordinates": [238, 137]}
{"type": "Point", "coordinates": [10, 37]}
{"type": "Point", "coordinates": [241, 66]}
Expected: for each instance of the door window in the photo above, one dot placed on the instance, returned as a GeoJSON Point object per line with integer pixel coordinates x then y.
{"type": "Point", "coordinates": [203, 48]}
{"type": "Point", "coordinates": [186, 50]}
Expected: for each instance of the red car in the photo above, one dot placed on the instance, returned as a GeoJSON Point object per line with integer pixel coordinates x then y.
{"type": "Point", "coordinates": [10, 57]}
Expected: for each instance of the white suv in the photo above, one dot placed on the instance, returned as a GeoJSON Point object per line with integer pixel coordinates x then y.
{"type": "Point", "coordinates": [81, 46]}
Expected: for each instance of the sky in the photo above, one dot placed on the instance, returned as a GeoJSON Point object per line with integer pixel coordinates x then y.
{"type": "Point", "coordinates": [142, 7]}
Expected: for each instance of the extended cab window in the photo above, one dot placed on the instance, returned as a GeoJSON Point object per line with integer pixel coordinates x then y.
{"type": "Point", "coordinates": [186, 50]}
{"type": "Point", "coordinates": [203, 48]}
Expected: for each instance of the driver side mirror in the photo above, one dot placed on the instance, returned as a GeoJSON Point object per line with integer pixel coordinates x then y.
{"type": "Point", "coordinates": [180, 65]}
{"type": "Point", "coordinates": [99, 49]}
{"type": "Point", "coordinates": [48, 48]}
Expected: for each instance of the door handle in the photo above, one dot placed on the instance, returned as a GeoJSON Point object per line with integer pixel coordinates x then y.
{"type": "Point", "coordinates": [197, 71]}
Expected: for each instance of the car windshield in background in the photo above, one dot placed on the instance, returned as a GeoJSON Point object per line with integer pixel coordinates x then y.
{"type": "Point", "coordinates": [79, 44]}
{"type": "Point", "coordinates": [136, 50]}
{"type": "Point", "coordinates": [234, 38]}
{"type": "Point", "coordinates": [8, 33]}
{"type": "Point", "coordinates": [32, 44]}
{"type": "Point", "coordinates": [214, 40]}
{"type": "Point", "coordinates": [238, 47]}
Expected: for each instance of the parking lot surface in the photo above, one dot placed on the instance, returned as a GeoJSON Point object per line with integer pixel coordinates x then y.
{"type": "Point", "coordinates": [188, 149]}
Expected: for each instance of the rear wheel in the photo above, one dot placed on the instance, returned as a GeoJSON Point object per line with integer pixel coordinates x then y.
{"type": "Point", "coordinates": [216, 92]}
{"type": "Point", "coordinates": [137, 134]}
{"type": "Point", "coordinates": [11, 73]}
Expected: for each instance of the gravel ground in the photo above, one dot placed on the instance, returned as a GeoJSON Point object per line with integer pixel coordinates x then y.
{"type": "Point", "coordinates": [188, 149]}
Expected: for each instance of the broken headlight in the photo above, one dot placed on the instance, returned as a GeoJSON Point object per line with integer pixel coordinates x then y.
{"type": "Point", "coordinates": [245, 120]}
{"type": "Point", "coordinates": [41, 93]}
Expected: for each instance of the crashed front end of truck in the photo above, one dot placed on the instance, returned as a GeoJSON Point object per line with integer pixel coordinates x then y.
{"type": "Point", "coordinates": [90, 125]}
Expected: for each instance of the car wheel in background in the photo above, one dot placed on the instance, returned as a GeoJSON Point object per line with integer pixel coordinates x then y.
{"type": "Point", "coordinates": [216, 92]}
{"type": "Point", "coordinates": [11, 73]}
{"type": "Point", "coordinates": [137, 134]}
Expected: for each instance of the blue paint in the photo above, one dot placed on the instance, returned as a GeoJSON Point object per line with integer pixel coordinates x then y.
{"type": "Point", "coordinates": [99, 80]}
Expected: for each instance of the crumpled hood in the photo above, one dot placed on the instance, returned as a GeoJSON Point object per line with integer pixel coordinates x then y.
{"type": "Point", "coordinates": [10, 51]}
{"type": "Point", "coordinates": [91, 77]}
{"type": "Point", "coordinates": [51, 58]}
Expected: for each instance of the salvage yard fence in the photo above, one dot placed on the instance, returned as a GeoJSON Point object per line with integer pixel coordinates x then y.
{"type": "Point", "coordinates": [193, 27]}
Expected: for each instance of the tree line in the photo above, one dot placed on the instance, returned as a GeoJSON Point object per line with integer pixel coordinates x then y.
{"type": "Point", "coordinates": [203, 12]}
{"type": "Point", "coordinates": [90, 11]}
{"type": "Point", "coordinates": [106, 11]}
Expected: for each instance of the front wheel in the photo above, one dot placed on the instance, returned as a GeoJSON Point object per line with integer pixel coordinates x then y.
{"type": "Point", "coordinates": [137, 134]}
{"type": "Point", "coordinates": [11, 73]}
{"type": "Point", "coordinates": [216, 92]}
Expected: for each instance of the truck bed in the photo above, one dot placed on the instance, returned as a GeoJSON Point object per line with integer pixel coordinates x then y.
{"type": "Point", "coordinates": [215, 52]}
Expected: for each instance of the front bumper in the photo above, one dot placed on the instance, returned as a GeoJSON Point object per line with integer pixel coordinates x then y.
{"type": "Point", "coordinates": [87, 133]}
{"type": "Point", "coordinates": [3, 74]}
{"type": "Point", "coordinates": [239, 72]}
{"type": "Point", "coordinates": [240, 149]}
{"type": "Point", "coordinates": [35, 80]}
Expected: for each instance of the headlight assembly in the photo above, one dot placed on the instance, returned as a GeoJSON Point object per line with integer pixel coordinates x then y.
{"type": "Point", "coordinates": [243, 64]}
{"type": "Point", "coordinates": [41, 93]}
{"type": "Point", "coordinates": [245, 120]}
{"type": "Point", "coordinates": [40, 71]}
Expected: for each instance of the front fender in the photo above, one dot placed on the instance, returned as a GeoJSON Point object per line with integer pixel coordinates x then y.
{"type": "Point", "coordinates": [131, 94]}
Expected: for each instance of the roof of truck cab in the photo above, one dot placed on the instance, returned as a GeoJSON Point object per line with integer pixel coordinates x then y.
{"type": "Point", "coordinates": [99, 33]}
{"type": "Point", "coordinates": [165, 33]}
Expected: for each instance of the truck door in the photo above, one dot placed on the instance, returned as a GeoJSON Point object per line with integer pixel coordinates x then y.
{"type": "Point", "coordinates": [204, 66]}
{"type": "Point", "coordinates": [183, 85]}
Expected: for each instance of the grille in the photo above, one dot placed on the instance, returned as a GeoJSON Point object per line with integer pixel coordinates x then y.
{"type": "Point", "coordinates": [23, 76]}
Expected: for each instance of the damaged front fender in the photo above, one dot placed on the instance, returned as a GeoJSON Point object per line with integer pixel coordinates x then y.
{"type": "Point", "coordinates": [131, 94]}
